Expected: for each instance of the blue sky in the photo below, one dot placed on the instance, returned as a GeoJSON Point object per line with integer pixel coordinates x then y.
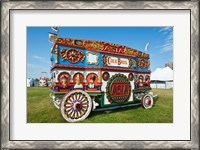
{"type": "Point", "coordinates": [160, 43]}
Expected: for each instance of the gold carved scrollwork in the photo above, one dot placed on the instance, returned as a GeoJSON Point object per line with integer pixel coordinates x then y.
{"type": "Point", "coordinates": [104, 60]}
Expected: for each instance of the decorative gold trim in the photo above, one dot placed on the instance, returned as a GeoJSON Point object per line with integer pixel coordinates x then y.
{"type": "Point", "coordinates": [134, 63]}
{"type": "Point", "coordinates": [63, 56]}
{"type": "Point", "coordinates": [102, 46]}
{"type": "Point", "coordinates": [148, 64]}
{"type": "Point", "coordinates": [130, 62]}
{"type": "Point", "coordinates": [96, 63]}
{"type": "Point", "coordinates": [104, 60]}
{"type": "Point", "coordinates": [56, 52]}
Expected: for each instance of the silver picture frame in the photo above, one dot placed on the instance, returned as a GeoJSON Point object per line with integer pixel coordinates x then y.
{"type": "Point", "coordinates": [7, 6]}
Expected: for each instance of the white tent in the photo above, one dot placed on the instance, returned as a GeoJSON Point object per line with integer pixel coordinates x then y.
{"type": "Point", "coordinates": [162, 78]}
{"type": "Point", "coordinates": [29, 82]}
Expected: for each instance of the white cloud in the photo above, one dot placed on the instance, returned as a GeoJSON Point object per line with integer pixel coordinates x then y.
{"type": "Point", "coordinates": [168, 40]}
{"type": "Point", "coordinates": [164, 29]}
{"type": "Point", "coordinates": [38, 57]}
{"type": "Point", "coordinates": [166, 49]}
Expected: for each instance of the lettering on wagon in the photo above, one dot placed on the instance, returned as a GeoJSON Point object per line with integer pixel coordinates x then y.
{"type": "Point", "coordinates": [102, 46]}
{"type": "Point", "coordinates": [118, 89]}
{"type": "Point", "coordinates": [118, 62]}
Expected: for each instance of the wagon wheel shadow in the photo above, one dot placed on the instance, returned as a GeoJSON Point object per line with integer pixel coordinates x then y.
{"type": "Point", "coordinates": [96, 113]}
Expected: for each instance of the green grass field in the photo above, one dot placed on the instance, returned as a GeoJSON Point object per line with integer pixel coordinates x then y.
{"type": "Point", "coordinates": [41, 110]}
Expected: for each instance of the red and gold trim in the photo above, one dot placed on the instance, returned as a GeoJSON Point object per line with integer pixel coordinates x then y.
{"type": "Point", "coordinates": [104, 68]}
{"type": "Point", "coordinates": [99, 46]}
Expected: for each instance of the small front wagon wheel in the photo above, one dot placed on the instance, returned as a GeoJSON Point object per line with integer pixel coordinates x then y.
{"type": "Point", "coordinates": [76, 106]}
{"type": "Point", "coordinates": [147, 101]}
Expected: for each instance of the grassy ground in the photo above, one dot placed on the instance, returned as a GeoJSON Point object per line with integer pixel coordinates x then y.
{"type": "Point", "coordinates": [40, 110]}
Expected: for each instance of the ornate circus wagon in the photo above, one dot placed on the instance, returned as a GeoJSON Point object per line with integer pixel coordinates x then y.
{"type": "Point", "coordinates": [90, 75]}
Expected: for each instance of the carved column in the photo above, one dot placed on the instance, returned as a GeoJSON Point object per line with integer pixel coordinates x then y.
{"type": "Point", "coordinates": [56, 52]}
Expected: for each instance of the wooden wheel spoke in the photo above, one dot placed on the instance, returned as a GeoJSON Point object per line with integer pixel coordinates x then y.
{"type": "Point", "coordinates": [72, 113]}
{"type": "Point", "coordinates": [68, 105]}
{"type": "Point", "coordinates": [68, 112]}
{"type": "Point", "coordinates": [78, 112]}
{"type": "Point", "coordinates": [85, 106]}
{"type": "Point", "coordinates": [83, 99]}
{"type": "Point", "coordinates": [75, 114]}
{"type": "Point", "coordinates": [78, 96]}
{"type": "Point", "coordinates": [74, 97]}
{"type": "Point", "coordinates": [84, 111]}
{"type": "Point", "coordinates": [81, 112]}
{"type": "Point", "coordinates": [85, 103]}
{"type": "Point", "coordinates": [68, 108]}
{"type": "Point", "coordinates": [71, 99]}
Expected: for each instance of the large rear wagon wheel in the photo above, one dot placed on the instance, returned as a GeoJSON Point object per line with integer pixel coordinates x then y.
{"type": "Point", "coordinates": [76, 106]}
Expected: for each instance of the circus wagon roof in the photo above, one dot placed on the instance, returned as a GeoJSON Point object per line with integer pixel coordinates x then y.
{"type": "Point", "coordinates": [100, 46]}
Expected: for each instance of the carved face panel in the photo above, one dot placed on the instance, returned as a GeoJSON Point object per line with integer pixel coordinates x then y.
{"type": "Point", "coordinates": [78, 81]}
{"type": "Point", "coordinates": [92, 78]}
{"type": "Point", "coordinates": [78, 78]}
{"type": "Point", "coordinates": [141, 78]}
{"type": "Point", "coordinates": [64, 78]}
{"type": "Point", "coordinates": [106, 76]}
{"type": "Point", "coordinates": [130, 76]}
{"type": "Point", "coordinates": [91, 81]}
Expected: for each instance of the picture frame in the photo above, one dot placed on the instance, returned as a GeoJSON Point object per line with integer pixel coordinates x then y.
{"type": "Point", "coordinates": [8, 6]}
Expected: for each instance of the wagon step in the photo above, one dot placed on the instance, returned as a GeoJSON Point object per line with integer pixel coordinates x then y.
{"type": "Point", "coordinates": [115, 107]}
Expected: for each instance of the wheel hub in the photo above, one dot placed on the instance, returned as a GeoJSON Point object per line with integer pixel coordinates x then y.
{"type": "Point", "coordinates": [148, 102]}
{"type": "Point", "coordinates": [77, 106]}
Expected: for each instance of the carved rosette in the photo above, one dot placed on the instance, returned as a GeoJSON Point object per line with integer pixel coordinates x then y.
{"type": "Point", "coordinates": [143, 63]}
{"type": "Point", "coordinates": [72, 55]}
